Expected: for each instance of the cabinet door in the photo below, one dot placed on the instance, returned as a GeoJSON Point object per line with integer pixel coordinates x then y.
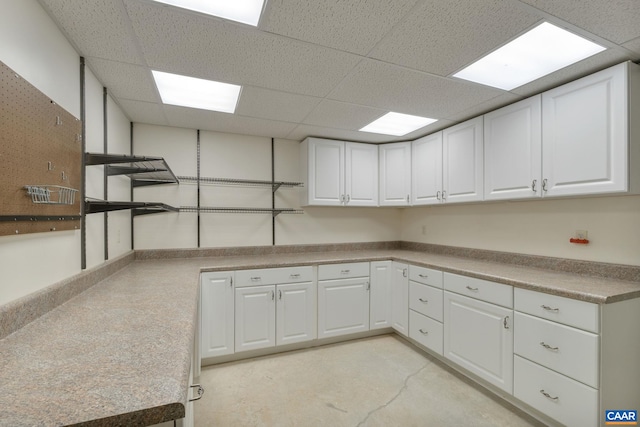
{"type": "Point", "coordinates": [216, 314]}
{"type": "Point", "coordinates": [296, 313]}
{"type": "Point", "coordinates": [400, 298]}
{"type": "Point", "coordinates": [585, 135]}
{"type": "Point", "coordinates": [255, 317]}
{"type": "Point", "coordinates": [395, 174]}
{"type": "Point", "coordinates": [325, 171]}
{"type": "Point", "coordinates": [462, 162]}
{"type": "Point", "coordinates": [513, 151]}
{"type": "Point", "coordinates": [426, 170]}
{"type": "Point", "coordinates": [343, 306]}
{"type": "Point", "coordinates": [380, 297]}
{"type": "Point", "coordinates": [361, 174]}
{"type": "Point", "coordinates": [478, 336]}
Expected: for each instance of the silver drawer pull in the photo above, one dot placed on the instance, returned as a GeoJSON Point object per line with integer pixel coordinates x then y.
{"type": "Point", "coordinates": [423, 300]}
{"type": "Point", "coordinates": [423, 332]}
{"type": "Point", "coordinates": [548, 347]}
{"type": "Point", "coordinates": [546, 307]}
{"type": "Point", "coordinates": [294, 276]}
{"type": "Point", "coordinates": [200, 392]}
{"type": "Point", "coordinates": [472, 289]}
{"type": "Point", "coordinates": [424, 276]}
{"type": "Point", "coordinates": [256, 279]}
{"type": "Point", "coordinates": [548, 396]}
{"type": "Point", "coordinates": [345, 271]}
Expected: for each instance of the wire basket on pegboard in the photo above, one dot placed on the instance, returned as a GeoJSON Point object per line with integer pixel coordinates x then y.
{"type": "Point", "coordinates": [51, 194]}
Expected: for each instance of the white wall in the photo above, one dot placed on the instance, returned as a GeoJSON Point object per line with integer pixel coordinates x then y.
{"type": "Point", "coordinates": [242, 157]}
{"type": "Point", "coordinates": [535, 227]}
{"type": "Point", "coordinates": [32, 45]}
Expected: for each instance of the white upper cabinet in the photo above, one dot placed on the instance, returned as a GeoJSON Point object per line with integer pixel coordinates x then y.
{"type": "Point", "coordinates": [339, 173]}
{"type": "Point", "coordinates": [513, 151]}
{"type": "Point", "coordinates": [395, 174]}
{"type": "Point", "coordinates": [426, 170]}
{"type": "Point", "coordinates": [586, 133]}
{"type": "Point", "coordinates": [462, 162]}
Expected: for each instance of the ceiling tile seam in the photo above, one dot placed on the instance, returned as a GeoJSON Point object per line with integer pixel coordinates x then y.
{"type": "Point", "coordinates": [555, 20]}
{"type": "Point", "coordinates": [132, 34]}
{"type": "Point", "coordinates": [401, 21]}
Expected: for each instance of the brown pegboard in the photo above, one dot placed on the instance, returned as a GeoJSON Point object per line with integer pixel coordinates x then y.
{"type": "Point", "coordinates": [40, 144]}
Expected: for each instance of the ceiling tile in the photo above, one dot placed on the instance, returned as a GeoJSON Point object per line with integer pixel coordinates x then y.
{"type": "Point", "coordinates": [98, 28]}
{"type": "Point", "coordinates": [633, 45]}
{"type": "Point", "coordinates": [399, 89]}
{"type": "Point", "coordinates": [341, 115]}
{"type": "Point", "coordinates": [222, 122]}
{"type": "Point", "coordinates": [485, 107]}
{"type": "Point", "coordinates": [143, 112]}
{"type": "Point", "coordinates": [198, 46]}
{"type": "Point", "coordinates": [441, 37]}
{"type": "Point", "coordinates": [125, 81]}
{"type": "Point", "coordinates": [590, 65]}
{"type": "Point", "coordinates": [274, 105]}
{"type": "Point", "coordinates": [352, 26]}
{"type": "Point", "coordinates": [614, 20]}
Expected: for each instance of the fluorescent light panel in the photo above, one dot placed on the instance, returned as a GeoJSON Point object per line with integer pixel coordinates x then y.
{"type": "Point", "coordinates": [397, 124]}
{"type": "Point", "coordinates": [196, 93]}
{"type": "Point", "coordinates": [538, 52]}
{"type": "Point", "coordinates": [245, 11]}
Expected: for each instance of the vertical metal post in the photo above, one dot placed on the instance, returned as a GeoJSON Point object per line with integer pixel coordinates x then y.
{"type": "Point", "coordinates": [198, 182]}
{"type": "Point", "coordinates": [106, 176]}
{"type": "Point", "coordinates": [83, 173]}
{"type": "Point", "coordinates": [273, 193]}
{"type": "Point", "coordinates": [131, 196]}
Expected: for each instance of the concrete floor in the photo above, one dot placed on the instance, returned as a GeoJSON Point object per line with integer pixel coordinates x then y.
{"type": "Point", "coordinates": [378, 381]}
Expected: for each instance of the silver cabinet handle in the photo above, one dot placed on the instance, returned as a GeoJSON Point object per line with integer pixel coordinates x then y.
{"type": "Point", "coordinates": [280, 294]}
{"type": "Point", "coordinates": [533, 185]}
{"type": "Point", "coordinates": [505, 322]}
{"type": "Point", "coordinates": [273, 295]}
{"type": "Point", "coordinates": [200, 392]}
{"type": "Point", "coordinates": [348, 199]}
{"type": "Point", "coordinates": [544, 184]}
{"type": "Point", "coordinates": [548, 347]}
{"type": "Point", "coordinates": [342, 198]}
{"type": "Point", "coordinates": [546, 307]}
{"type": "Point", "coordinates": [547, 395]}
{"type": "Point", "coordinates": [368, 285]}
{"type": "Point", "coordinates": [345, 271]}
{"type": "Point", "coordinates": [256, 279]}
{"type": "Point", "coordinates": [444, 195]}
{"type": "Point", "coordinates": [408, 199]}
{"type": "Point", "coordinates": [294, 276]}
{"type": "Point", "coordinates": [231, 284]}
{"type": "Point", "coordinates": [438, 195]}
{"type": "Point", "coordinates": [424, 301]}
{"type": "Point", "coordinates": [404, 272]}
{"type": "Point", "coordinates": [424, 276]}
{"type": "Point", "coordinates": [423, 332]}
{"type": "Point", "coordinates": [472, 289]}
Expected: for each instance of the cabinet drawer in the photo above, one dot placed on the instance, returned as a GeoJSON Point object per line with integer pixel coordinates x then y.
{"type": "Point", "coordinates": [426, 331]}
{"type": "Point", "coordinates": [343, 271]}
{"type": "Point", "coordinates": [483, 290]}
{"type": "Point", "coordinates": [581, 314]}
{"type": "Point", "coordinates": [425, 275]}
{"type": "Point", "coordinates": [273, 276]}
{"type": "Point", "coordinates": [426, 300]}
{"type": "Point", "coordinates": [568, 401]}
{"type": "Point", "coordinates": [566, 350]}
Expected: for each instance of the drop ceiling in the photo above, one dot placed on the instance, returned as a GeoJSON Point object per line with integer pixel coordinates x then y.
{"type": "Point", "coordinates": [328, 68]}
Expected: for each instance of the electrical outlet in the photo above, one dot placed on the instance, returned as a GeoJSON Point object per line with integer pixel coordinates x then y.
{"type": "Point", "coordinates": [581, 234]}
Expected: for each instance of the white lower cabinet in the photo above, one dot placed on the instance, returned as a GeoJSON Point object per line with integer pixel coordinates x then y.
{"type": "Point", "coordinates": [380, 295]}
{"type": "Point", "coordinates": [295, 313]}
{"type": "Point", "coordinates": [216, 314]}
{"type": "Point", "coordinates": [478, 336]}
{"type": "Point", "coordinates": [426, 331]}
{"type": "Point", "coordinates": [400, 298]}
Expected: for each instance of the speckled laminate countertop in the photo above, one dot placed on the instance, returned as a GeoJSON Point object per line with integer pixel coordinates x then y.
{"type": "Point", "coordinates": [119, 353]}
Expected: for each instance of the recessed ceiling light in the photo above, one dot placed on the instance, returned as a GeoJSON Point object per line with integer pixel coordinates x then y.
{"type": "Point", "coordinates": [196, 93]}
{"type": "Point", "coordinates": [397, 124]}
{"type": "Point", "coordinates": [536, 53]}
{"type": "Point", "coordinates": [245, 11]}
